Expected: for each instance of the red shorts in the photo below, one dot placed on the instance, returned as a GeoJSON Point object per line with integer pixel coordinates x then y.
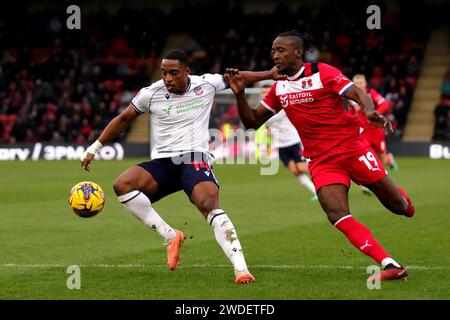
{"type": "Point", "coordinates": [362, 166]}
{"type": "Point", "coordinates": [376, 138]}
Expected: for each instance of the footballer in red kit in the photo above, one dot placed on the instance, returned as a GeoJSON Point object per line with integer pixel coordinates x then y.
{"type": "Point", "coordinates": [314, 106]}
{"type": "Point", "coordinates": [311, 95]}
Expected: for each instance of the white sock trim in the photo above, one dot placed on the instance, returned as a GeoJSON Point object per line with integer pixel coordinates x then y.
{"type": "Point", "coordinates": [128, 196]}
{"type": "Point", "coordinates": [214, 213]}
{"type": "Point", "coordinates": [343, 218]}
{"type": "Point", "coordinates": [389, 260]}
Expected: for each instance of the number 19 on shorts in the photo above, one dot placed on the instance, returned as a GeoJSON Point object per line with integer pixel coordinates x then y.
{"type": "Point", "coordinates": [368, 159]}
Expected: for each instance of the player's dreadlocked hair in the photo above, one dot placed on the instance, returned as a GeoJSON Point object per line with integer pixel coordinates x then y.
{"type": "Point", "coordinates": [303, 39]}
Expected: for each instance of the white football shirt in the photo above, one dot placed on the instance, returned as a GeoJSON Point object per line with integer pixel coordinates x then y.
{"type": "Point", "coordinates": [180, 122]}
{"type": "Point", "coordinates": [283, 132]}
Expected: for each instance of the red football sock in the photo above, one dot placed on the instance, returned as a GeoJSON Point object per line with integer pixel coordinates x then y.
{"type": "Point", "coordinates": [361, 237]}
{"type": "Point", "coordinates": [410, 209]}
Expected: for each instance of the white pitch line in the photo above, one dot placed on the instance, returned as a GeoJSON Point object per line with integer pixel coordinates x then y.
{"type": "Point", "coordinates": [261, 266]}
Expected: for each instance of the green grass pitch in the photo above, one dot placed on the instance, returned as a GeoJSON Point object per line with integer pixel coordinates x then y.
{"type": "Point", "coordinates": [290, 246]}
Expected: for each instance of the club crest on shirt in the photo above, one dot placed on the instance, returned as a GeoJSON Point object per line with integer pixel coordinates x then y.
{"type": "Point", "coordinates": [307, 84]}
{"type": "Point", "coordinates": [198, 90]}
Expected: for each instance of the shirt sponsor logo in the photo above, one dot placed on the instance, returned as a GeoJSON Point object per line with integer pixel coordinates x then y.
{"type": "Point", "coordinates": [184, 106]}
{"type": "Point", "coordinates": [296, 98]}
{"type": "Point", "coordinates": [167, 109]}
{"type": "Point", "coordinates": [284, 100]}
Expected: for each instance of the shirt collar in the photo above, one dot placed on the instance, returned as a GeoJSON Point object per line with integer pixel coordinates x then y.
{"type": "Point", "coordinates": [295, 76]}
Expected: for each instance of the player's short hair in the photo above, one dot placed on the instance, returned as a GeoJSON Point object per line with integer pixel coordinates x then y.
{"type": "Point", "coordinates": [177, 55]}
{"type": "Point", "coordinates": [300, 38]}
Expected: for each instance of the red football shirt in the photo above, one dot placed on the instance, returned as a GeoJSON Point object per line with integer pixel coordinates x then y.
{"type": "Point", "coordinates": [312, 100]}
{"type": "Point", "coordinates": [380, 105]}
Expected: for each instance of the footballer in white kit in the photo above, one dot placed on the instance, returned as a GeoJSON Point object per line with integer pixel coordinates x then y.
{"type": "Point", "coordinates": [180, 122]}
{"type": "Point", "coordinates": [179, 106]}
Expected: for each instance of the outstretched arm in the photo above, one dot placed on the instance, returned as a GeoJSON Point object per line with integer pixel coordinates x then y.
{"type": "Point", "coordinates": [251, 118]}
{"type": "Point", "coordinates": [251, 77]}
{"type": "Point", "coordinates": [365, 101]}
{"type": "Point", "coordinates": [112, 130]}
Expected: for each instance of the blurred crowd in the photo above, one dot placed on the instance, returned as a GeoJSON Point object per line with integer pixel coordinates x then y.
{"type": "Point", "coordinates": [442, 112]}
{"type": "Point", "coordinates": [63, 85]}
{"type": "Point", "coordinates": [390, 58]}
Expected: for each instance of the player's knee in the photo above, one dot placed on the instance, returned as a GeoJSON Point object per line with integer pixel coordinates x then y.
{"type": "Point", "coordinates": [334, 214]}
{"type": "Point", "coordinates": [121, 185]}
{"type": "Point", "coordinates": [129, 181]}
{"type": "Point", "coordinates": [207, 203]}
{"type": "Point", "coordinates": [124, 184]}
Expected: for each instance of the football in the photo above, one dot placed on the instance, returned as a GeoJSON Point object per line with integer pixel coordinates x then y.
{"type": "Point", "coordinates": [86, 199]}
